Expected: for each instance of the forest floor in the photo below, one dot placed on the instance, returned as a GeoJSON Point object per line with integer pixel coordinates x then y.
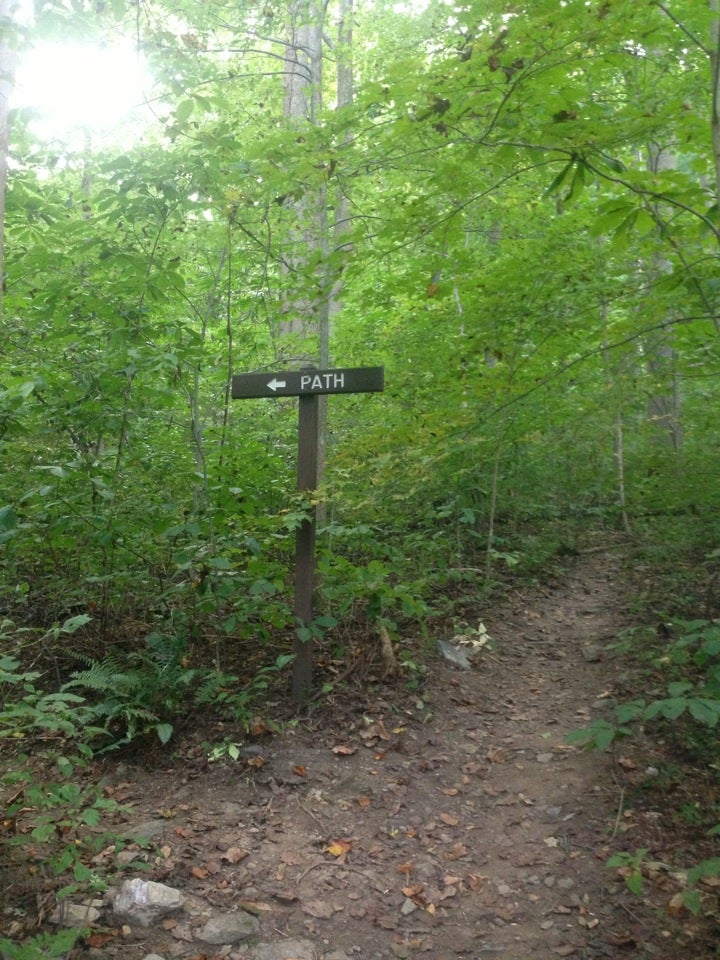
{"type": "Point", "coordinates": [449, 821]}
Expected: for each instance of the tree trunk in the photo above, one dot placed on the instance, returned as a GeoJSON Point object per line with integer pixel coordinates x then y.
{"type": "Point", "coordinates": [664, 401]}
{"type": "Point", "coordinates": [7, 75]}
{"type": "Point", "coordinates": [307, 238]}
{"type": "Point", "coordinates": [715, 92]}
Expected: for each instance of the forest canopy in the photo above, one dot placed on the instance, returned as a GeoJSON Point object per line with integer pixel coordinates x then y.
{"type": "Point", "coordinates": [512, 208]}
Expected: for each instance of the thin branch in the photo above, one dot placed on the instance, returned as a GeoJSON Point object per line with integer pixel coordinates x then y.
{"type": "Point", "coordinates": [654, 195]}
{"type": "Point", "coordinates": [594, 352]}
{"type": "Point", "coordinates": [678, 23]}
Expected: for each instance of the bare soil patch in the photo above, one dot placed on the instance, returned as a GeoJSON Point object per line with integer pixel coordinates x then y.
{"type": "Point", "coordinates": [450, 821]}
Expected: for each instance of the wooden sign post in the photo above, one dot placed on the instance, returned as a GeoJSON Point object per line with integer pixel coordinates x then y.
{"type": "Point", "coordinates": [307, 384]}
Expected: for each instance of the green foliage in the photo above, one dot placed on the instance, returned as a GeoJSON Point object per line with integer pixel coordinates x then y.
{"type": "Point", "coordinates": [696, 649]}
{"type": "Point", "coordinates": [493, 227]}
{"type": "Point", "coordinates": [66, 811]}
{"type": "Point", "coordinates": [42, 946]}
{"type": "Point", "coordinates": [144, 691]}
{"type": "Point", "coordinates": [26, 710]}
{"type": "Point", "coordinates": [599, 735]}
{"type": "Point", "coordinates": [630, 863]}
{"type": "Point", "coordinates": [372, 589]}
{"type": "Point", "coordinates": [690, 707]}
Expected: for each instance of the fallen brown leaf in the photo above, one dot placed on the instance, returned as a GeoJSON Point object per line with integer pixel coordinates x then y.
{"type": "Point", "coordinates": [253, 907]}
{"type": "Point", "coordinates": [676, 905]}
{"type": "Point", "coordinates": [475, 881]}
{"type": "Point", "coordinates": [339, 847]}
{"type": "Point", "coordinates": [450, 819]}
{"type": "Point", "coordinates": [234, 854]}
{"type": "Point", "coordinates": [459, 850]}
{"type": "Point", "coordinates": [201, 873]}
{"type": "Point", "coordinates": [97, 940]}
{"type": "Point", "coordinates": [413, 891]}
{"type": "Point", "coordinates": [344, 750]}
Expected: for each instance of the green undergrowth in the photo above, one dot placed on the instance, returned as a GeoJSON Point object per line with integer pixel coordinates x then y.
{"type": "Point", "coordinates": [671, 702]}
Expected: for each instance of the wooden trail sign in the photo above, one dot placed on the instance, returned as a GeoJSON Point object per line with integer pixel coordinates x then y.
{"type": "Point", "coordinates": [307, 384]}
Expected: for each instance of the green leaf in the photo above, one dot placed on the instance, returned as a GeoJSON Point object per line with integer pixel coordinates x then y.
{"type": "Point", "coordinates": [634, 882]}
{"type": "Point", "coordinates": [670, 709]}
{"type": "Point", "coordinates": [183, 111]}
{"type": "Point", "coordinates": [692, 900]}
{"type": "Point", "coordinates": [704, 710]}
{"type": "Point", "coordinates": [707, 868]}
{"type": "Point", "coordinates": [74, 623]}
{"type": "Point", "coordinates": [164, 731]}
{"type": "Point", "coordinates": [82, 873]}
{"type": "Point", "coordinates": [560, 179]}
{"type": "Point", "coordinates": [91, 816]}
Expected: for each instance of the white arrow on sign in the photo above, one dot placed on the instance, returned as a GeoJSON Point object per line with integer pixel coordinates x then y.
{"type": "Point", "coordinates": [276, 384]}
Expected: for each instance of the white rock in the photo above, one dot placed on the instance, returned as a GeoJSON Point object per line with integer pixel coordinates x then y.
{"type": "Point", "coordinates": [76, 914]}
{"type": "Point", "coordinates": [144, 901]}
{"type": "Point", "coordinates": [454, 654]}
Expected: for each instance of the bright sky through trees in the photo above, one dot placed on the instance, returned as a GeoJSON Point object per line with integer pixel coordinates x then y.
{"type": "Point", "coordinates": [77, 87]}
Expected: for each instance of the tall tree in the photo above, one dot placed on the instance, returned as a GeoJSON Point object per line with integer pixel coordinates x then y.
{"type": "Point", "coordinates": [8, 9]}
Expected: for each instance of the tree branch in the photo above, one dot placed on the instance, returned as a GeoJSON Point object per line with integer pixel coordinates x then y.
{"type": "Point", "coordinates": [678, 23]}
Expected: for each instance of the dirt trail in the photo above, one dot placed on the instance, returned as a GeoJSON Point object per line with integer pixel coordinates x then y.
{"type": "Point", "coordinates": [469, 827]}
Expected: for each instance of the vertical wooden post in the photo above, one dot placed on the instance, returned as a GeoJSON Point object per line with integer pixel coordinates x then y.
{"type": "Point", "coordinates": [308, 421]}
{"type": "Point", "coordinates": [309, 384]}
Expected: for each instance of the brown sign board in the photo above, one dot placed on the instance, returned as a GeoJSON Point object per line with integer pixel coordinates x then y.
{"type": "Point", "coordinates": [308, 382]}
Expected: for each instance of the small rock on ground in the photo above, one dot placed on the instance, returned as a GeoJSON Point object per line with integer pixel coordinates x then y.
{"type": "Point", "coordinates": [285, 950]}
{"type": "Point", "coordinates": [229, 928]}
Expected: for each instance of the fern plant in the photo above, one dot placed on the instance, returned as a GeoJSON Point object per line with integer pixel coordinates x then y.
{"type": "Point", "coordinates": [144, 691]}
{"type": "Point", "coordinates": [137, 693]}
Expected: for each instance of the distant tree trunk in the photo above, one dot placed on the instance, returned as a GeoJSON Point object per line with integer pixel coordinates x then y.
{"type": "Point", "coordinates": [664, 401]}
{"type": "Point", "coordinates": [345, 94]}
{"type": "Point", "coordinates": [715, 93]}
{"type": "Point", "coordinates": [7, 75]}
{"type": "Point", "coordinates": [332, 281]}
{"type": "Point", "coordinates": [308, 235]}
{"type": "Point", "coordinates": [615, 377]}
